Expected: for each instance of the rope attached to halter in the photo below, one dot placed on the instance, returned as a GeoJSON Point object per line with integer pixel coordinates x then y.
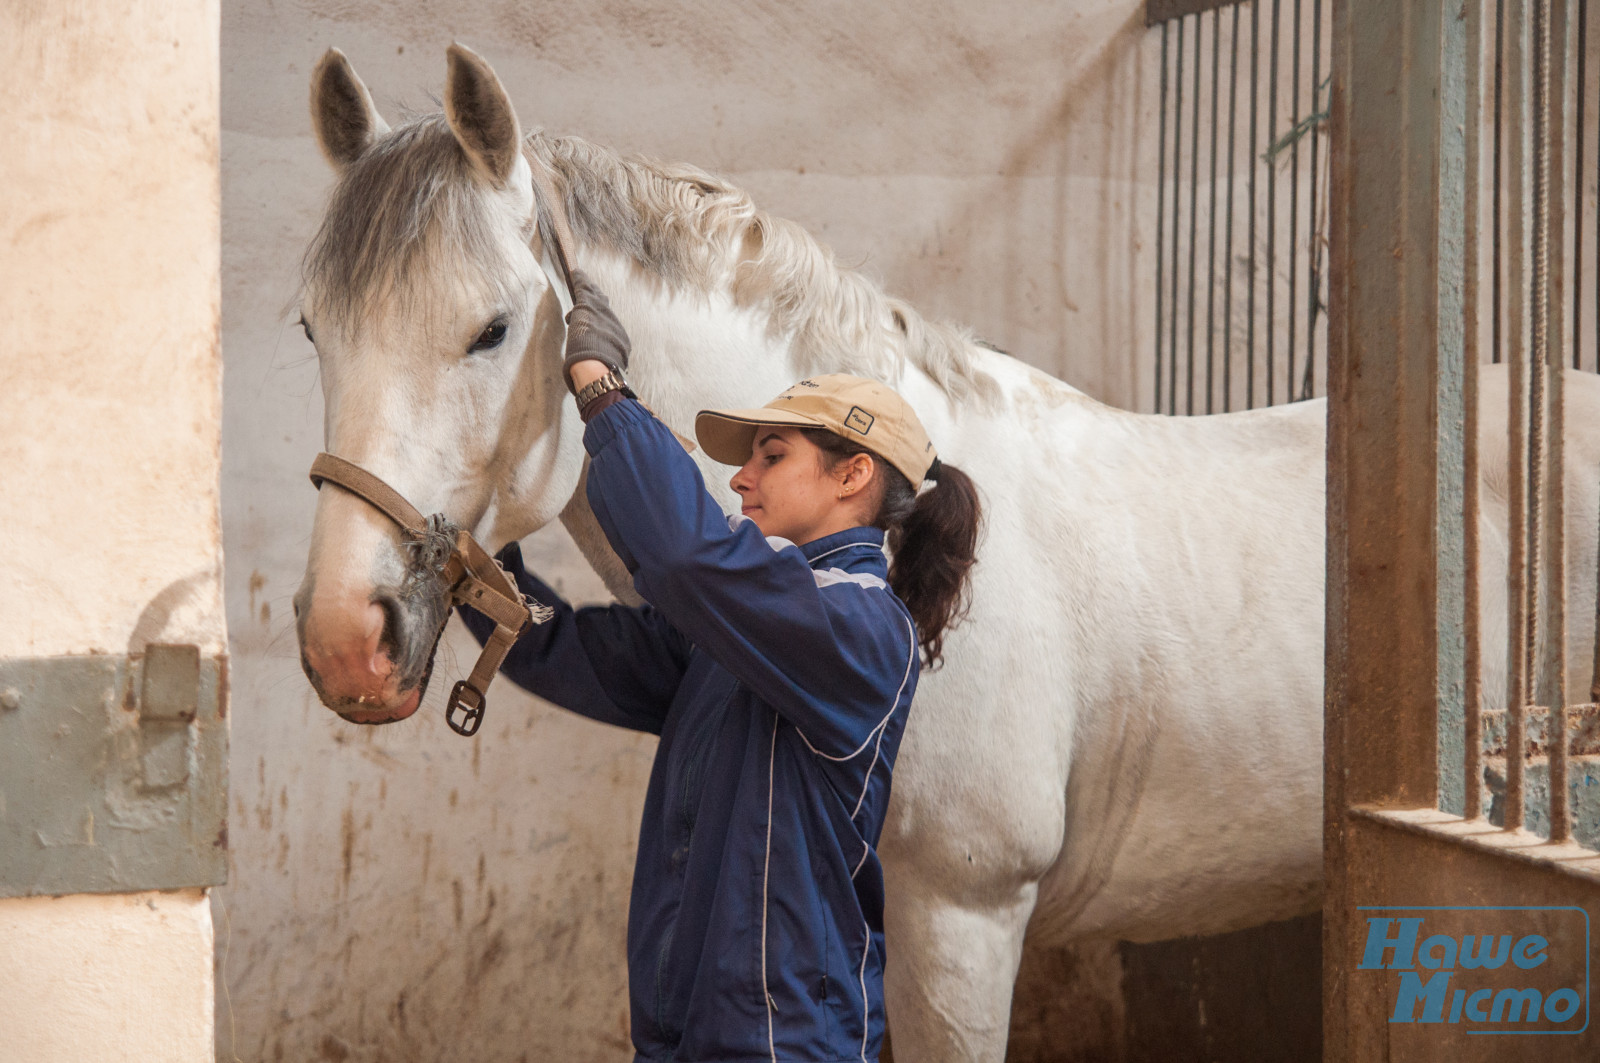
{"type": "Point", "coordinates": [470, 577]}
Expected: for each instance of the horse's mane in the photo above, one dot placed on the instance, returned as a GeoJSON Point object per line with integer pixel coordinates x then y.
{"type": "Point", "coordinates": [414, 190]}
{"type": "Point", "coordinates": [691, 227]}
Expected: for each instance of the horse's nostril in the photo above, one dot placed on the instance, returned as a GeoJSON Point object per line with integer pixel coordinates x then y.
{"type": "Point", "coordinates": [388, 640]}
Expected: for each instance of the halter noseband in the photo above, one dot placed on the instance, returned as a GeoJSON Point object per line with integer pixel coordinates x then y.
{"type": "Point", "coordinates": [470, 575]}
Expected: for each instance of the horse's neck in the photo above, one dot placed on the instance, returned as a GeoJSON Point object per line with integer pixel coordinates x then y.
{"type": "Point", "coordinates": [693, 349]}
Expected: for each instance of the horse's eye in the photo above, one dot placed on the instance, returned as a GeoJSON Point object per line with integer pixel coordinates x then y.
{"type": "Point", "coordinates": [307, 329]}
{"type": "Point", "coordinates": [489, 338]}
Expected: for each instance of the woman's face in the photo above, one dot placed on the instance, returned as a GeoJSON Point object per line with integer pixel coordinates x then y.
{"type": "Point", "coordinates": [789, 492]}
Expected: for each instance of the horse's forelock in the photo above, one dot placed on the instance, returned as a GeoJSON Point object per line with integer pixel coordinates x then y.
{"type": "Point", "coordinates": [410, 199]}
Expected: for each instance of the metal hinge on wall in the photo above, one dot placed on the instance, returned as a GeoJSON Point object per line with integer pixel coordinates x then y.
{"type": "Point", "coordinates": [113, 772]}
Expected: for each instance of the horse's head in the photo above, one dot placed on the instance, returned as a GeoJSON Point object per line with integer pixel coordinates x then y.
{"type": "Point", "coordinates": [438, 338]}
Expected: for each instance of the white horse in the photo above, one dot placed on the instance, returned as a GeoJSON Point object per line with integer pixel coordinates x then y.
{"type": "Point", "coordinates": [1126, 738]}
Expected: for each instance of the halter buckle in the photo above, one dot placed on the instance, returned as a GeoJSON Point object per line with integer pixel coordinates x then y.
{"type": "Point", "coordinates": [471, 709]}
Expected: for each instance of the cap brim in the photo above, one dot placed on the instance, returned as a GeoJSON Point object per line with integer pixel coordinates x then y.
{"type": "Point", "coordinates": [728, 436]}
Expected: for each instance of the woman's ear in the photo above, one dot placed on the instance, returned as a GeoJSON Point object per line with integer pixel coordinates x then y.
{"type": "Point", "coordinates": [858, 472]}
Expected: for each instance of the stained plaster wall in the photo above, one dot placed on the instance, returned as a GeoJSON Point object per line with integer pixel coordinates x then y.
{"type": "Point", "coordinates": [110, 404]}
{"type": "Point", "coordinates": [399, 893]}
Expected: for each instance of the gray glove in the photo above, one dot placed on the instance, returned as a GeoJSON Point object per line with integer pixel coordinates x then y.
{"type": "Point", "coordinates": [593, 331]}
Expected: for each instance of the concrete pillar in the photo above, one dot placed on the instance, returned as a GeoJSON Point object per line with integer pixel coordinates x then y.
{"type": "Point", "coordinates": [110, 372]}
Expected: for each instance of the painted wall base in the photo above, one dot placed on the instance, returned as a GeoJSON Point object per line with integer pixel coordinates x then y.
{"type": "Point", "coordinates": [119, 978]}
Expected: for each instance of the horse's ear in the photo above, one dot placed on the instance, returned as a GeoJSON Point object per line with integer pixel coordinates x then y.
{"type": "Point", "coordinates": [480, 115]}
{"type": "Point", "coordinates": [341, 111]}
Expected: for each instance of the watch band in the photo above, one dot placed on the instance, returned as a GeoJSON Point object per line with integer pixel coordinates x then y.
{"type": "Point", "coordinates": [612, 381]}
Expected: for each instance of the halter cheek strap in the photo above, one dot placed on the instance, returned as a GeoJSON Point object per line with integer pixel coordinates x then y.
{"type": "Point", "coordinates": [469, 574]}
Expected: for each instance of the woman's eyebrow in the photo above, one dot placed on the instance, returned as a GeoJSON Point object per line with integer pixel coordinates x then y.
{"type": "Point", "coordinates": [769, 437]}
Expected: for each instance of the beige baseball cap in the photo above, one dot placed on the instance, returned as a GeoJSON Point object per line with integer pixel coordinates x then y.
{"type": "Point", "coordinates": [866, 411]}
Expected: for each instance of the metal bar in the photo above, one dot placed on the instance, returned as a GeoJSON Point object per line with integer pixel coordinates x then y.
{"type": "Point", "coordinates": [1255, 145]}
{"type": "Point", "coordinates": [1517, 688]}
{"type": "Point", "coordinates": [1211, 217]}
{"type": "Point", "coordinates": [1294, 206]}
{"type": "Point", "coordinates": [1577, 189]}
{"type": "Point", "coordinates": [1577, 341]}
{"type": "Point", "coordinates": [1314, 275]}
{"type": "Point", "coordinates": [1177, 206]}
{"type": "Point", "coordinates": [1499, 157]}
{"type": "Point", "coordinates": [1449, 391]}
{"type": "Point", "coordinates": [1472, 649]}
{"type": "Point", "coordinates": [1551, 56]}
{"type": "Point", "coordinates": [1272, 208]}
{"type": "Point", "coordinates": [1227, 253]}
{"type": "Point", "coordinates": [1194, 215]}
{"type": "Point", "coordinates": [1161, 213]}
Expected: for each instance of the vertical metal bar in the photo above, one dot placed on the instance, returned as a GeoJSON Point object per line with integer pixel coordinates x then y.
{"type": "Point", "coordinates": [1194, 214]}
{"type": "Point", "coordinates": [1294, 206]}
{"type": "Point", "coordinates": [1577, 188]}
{"type": "Point", "coordinates": [1314, 275]}
{"type": "Point", "coordinates": [1550, 351]}
{"type": "Point", "coordinates": [1499, 226]}
{"type": "Point", "coordinates": [1178, 146]}
{"type": "Point", "coordinates": [1272, 207]}
{"type": "Point", "coordinates": [1255, 146]}
{"type": "Point", "coordinates": [1161, 213]}
{"type": "Point", "coordinates": [1177, 207]}
{"type": "Point", "coordinates": [1211, 217]}
{"type": "Point", "coordinates": [1448, 386]}
{"type": "Point", "coordinates": [1227, 253]}
{"type": "Point", "coordinates": [1517, 689]}
{"type": "Point", "coordinates": [1472, 655]}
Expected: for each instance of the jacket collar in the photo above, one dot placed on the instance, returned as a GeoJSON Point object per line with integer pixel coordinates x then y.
{"type": "Point", "coordinates": [850, 545]}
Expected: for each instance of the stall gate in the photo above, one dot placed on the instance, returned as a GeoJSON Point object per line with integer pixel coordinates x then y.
{"type": "Point", "coordinates": [1434, 104]}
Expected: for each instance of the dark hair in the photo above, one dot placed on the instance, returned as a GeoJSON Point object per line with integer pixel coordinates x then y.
{"type": "Point", "coordinates": [933, 537]}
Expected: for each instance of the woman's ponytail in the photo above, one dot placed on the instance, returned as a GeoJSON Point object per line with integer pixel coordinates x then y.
{"type": "Point", "coordinates": [933, 537]}
{"type": "Point", "coordinates": [934, 547]}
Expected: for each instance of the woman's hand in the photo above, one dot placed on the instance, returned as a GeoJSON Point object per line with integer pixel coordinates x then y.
{"type": "Point", "coordinates": [594, 335]}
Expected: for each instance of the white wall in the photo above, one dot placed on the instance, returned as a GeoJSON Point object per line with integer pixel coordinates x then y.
{"type": "Point", "coordinates": [121, 977]}
{"type": "Point", "coordinates": [109, 435]}
{"type": "Point", "coordinates": [401, 893]}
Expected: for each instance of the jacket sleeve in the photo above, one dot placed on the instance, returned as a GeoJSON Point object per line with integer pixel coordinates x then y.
{"type": "Point", "coordinates": [612, 663]}
{"type": "Point", "coordinates": [832, 656]}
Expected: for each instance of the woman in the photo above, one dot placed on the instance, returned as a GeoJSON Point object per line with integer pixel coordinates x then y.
{"type": "Point", "coordinates": [776, 658]}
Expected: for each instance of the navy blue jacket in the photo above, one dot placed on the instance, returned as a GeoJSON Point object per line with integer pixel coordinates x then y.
{"type": "Point", "coordinates": [779, 679]}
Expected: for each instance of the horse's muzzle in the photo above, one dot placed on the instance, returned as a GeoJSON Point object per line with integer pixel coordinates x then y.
{"type": "Point", "coordinates": [370, 662]}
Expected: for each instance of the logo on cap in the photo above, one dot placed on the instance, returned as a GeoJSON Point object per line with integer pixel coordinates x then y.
{"type": "Point", "coordinates": [858, 420]}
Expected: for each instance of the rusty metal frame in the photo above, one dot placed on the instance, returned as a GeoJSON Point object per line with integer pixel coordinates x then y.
{"type": "Point", "coordinates": [1402, 659]}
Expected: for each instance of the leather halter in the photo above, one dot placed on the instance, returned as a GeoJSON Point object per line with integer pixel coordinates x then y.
{"type": "Point", "coordinates": [470, 576]}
